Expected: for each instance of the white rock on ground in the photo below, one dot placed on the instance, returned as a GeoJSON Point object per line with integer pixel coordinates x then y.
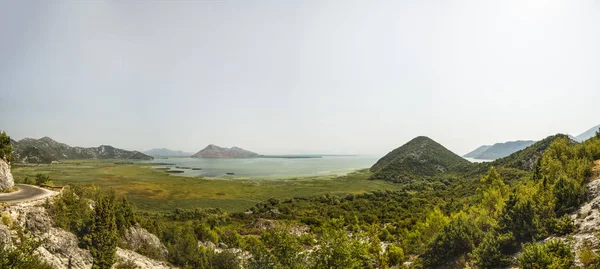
{"type": "Point", "coordinates": [60, 248]}
{"type": "Point", "coordinates": [137, 238]}
{"type": "Point", "coordinates": [6, 179]}
{"type": "Point", "coordinates": [140, 261]}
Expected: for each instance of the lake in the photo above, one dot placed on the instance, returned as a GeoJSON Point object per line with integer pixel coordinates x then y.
{"type": "Point", "coordinates": [266, 168]}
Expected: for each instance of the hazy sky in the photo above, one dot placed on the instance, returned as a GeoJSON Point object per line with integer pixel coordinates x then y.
{"type": "Point", "coordinates": [298, 76]}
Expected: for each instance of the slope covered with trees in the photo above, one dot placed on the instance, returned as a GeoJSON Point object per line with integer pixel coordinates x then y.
{"type": "Point", "coordinates": [419, 158]}
{"type": "Point", "coordinates": [46, 150]}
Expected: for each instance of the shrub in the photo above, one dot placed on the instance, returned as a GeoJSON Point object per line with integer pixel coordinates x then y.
{"type": "Point", "coordinates": [395, 255]}
{"type": "Point", "coordinates": [587, 256]}
{"type": "Point", "coordinates": [493, 251]}
{"type": "Point", "coordinates": [41, 179]}
{"type": "Point", "coordinates": [553, 254]}
{"type": "Point", "coordinates": [457, 238]}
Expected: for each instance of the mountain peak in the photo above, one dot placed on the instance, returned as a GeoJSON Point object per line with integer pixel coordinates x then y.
{"type": "Point", "coordinates": [420, 157]}
{"type": "Point", "coordinates": [587, 134]}
{"type": "Point", "coordinates": [214, 151]}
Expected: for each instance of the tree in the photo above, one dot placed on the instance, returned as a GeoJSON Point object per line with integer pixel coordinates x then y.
{"type": "Point", "coordinates": [6, 147]}
{"type": "Point", "coordinates": [125, 215]}
{"type": "Point", "coordinates": [568, 195]}
{"type": "Point", "coordinates": [104, 231]}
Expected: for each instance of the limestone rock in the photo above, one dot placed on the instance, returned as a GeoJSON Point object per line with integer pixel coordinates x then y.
{"type": "Point", "coordinates": [137, 238]}
{"type": "Point", "coordinates": [142, 262]}
{"type": "Point", "coordinates": [6, 179]}
{"type": "Point", "coordinates": [60, 249]}
{"type": "Point", "coordinates": [5, 238]}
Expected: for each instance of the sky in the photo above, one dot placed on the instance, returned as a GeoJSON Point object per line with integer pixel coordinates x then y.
{"type": "Point", "coordinates": [282, 77]}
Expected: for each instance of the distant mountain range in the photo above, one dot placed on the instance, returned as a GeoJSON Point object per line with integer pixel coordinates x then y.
{"type": "Point", "coordinates": [420, 157]}
{"type": "Point", "coordinates": [587, 134]}
{"type": "Point", "coordinates": [498, 150]}
{"type": "Point", "coordinates": [163, 152]}
{"type": "Point", "coordinates": [501, 150]}
{"type": "Point", "coordinates": [213, 151]}
{"type": "Point", "coordinates": [526, 158]}
{"type": "Point", "coordinates": [46, 150]}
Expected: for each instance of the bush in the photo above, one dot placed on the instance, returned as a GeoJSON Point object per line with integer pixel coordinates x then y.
{"type": "Point", "coordinates": [493, 252]}
{"type": "Point", "coordinates": [587, 256]}
{"type": "Point", "coordinates": [564, 225]}
{"type": "Point", "coordinates": [395, 255]}
{"type": "Point", "coordinates": [553, 254]}
{"type": "Point", "coordinates": [41, 179]}
{"type": "Point", "coordinates": [457, 238]}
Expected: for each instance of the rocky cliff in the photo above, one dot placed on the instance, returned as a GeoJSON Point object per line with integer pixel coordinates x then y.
{"type": "Point", "coordinates": [60, 248]}
{"type": "Point", "coordinates": [6, 179]}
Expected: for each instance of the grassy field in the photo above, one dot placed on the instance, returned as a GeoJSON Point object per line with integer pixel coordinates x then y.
{"type": "Point", "coordinates": [155, 190]}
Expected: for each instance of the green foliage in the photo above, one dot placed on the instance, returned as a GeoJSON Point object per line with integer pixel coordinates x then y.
{"type": "Point", "coordinates": [6, 147]}
{"type": "Point", "coordinates": [72, 212]}
{"type": "Point", "coordinates": [553, 255]}
{"type": "Point", "coordinates": [41, 179]}
{"type": "Point", "coordinates": [395, 255]}
{"type": "Point", "coordinates": [104, 231]}
{"type": "Point", "coordinates": [458, 238]}
{"type": "Point", "coordinates": [564, 225]}
{"type": "Point", "coordinates": [569, 194]}
{"type": "Point", "coordinates": [125, 216]}
{"type": "Point", "coordinates": [286, 250]}
{"type": "Point", "coordinates": [524, 159]}
{"type": "Point", "coordinates": [339, 250]}
{"type": "Point", "coordinates": [587, 256]}
{"type": "Point", "coordinates": [491, 253]}
{"type": "Point", "coordinates": [420, 157]}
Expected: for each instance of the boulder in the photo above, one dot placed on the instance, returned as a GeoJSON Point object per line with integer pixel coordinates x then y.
{"type": "Point", "coordinates": [140, 240]}
{"type": "Point", "coordinates": [5, 238]}
{"type": "Point", "coordinates": [140, 261]}
{"type": "Point", "coordinates": [6, 179]}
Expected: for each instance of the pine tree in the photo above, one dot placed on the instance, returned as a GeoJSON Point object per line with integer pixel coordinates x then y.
{"type": "Point", "coordinates": [104, 231]}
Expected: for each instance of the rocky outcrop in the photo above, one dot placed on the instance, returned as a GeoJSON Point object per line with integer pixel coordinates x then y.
{"type": "Point", "coordinates": [5, 241]}
{"type": "Point", "coordinates": [6, 179]}
{"type": "Point", "coordinates": [140, 240]}
{"type": "Point", "coordinates": [142, 262]}
{"type": "Point", "coordinates": [61, 249]}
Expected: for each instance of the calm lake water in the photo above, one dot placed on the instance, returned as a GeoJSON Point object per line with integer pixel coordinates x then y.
{"type": "Point", "coordinates": [267, 168]}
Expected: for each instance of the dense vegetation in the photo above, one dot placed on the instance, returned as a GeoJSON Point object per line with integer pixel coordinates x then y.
{"type": "Point", "coordinates": [420, 157]}
{"type": "Point", "coordinates": [6, 147]}
{"type": "Point", "coordinates": [478, 215]}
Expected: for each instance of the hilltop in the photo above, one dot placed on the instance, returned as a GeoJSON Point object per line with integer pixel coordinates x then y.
{"type": "Point", "coordinates": [498, 150]}
{"type": "Point", "coordinates": [214, 151]}
{"type": "Point", "coordinates": [164, 152]}
{"type": "Point", "coordinates": [420, 157]}
{"type": "Point", "coordinates": [46, 150]}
